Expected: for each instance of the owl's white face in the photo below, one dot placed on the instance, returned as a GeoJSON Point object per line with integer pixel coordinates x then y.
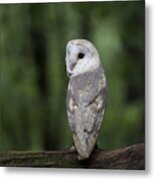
{"type": "Point", "coordinates": [81, 57]}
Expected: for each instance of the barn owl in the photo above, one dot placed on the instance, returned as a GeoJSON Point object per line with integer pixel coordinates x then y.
{"type": "Point", "coordinates": [86, 95]}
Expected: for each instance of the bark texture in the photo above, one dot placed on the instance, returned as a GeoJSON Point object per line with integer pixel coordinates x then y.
{"type": "Point", "coordinates": [131, 157]}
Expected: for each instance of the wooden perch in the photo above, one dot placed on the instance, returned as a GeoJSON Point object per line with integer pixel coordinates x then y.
{"type": "Point", "coordinates": [131, 157]}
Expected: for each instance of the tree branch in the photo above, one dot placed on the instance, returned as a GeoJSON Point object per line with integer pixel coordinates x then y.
{"type": "Point", "coordinates": [131, 157]}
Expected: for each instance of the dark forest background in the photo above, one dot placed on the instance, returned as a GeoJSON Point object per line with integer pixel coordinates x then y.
{"type": "Point", "coordinates": [33, 77]}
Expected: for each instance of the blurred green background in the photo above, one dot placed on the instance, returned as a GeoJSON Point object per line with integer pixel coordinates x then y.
{"type": "Point", "coordinates": [33, 76]}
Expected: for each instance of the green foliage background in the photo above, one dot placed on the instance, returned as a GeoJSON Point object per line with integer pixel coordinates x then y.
{"type": "Point", "coordinates": [33, 77]}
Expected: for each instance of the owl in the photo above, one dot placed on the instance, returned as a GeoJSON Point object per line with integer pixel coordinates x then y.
{"type": "Point", "coordinates": [86, 95]}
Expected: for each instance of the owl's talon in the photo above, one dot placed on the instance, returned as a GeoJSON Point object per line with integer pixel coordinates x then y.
{"type": "Point", "coordinates": [72, 148]}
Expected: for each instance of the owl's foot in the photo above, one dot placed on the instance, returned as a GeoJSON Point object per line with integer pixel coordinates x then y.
{"type": "Point", "coordinates": [72, 148]}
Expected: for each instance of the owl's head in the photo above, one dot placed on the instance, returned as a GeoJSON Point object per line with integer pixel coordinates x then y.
{"type": "Point", "coordinates": [81, 57]}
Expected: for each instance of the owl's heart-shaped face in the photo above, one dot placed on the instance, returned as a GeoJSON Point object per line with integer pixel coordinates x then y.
{"type": "Point", "coordinates": [81, 56]}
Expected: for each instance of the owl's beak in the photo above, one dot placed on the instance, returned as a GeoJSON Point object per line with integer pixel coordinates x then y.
{"type": "Point", "coordinates": [70, 69]}
{"type": "Point", "coordinates": [72, 65]}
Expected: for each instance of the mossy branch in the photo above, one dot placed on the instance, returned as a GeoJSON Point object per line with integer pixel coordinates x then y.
{"type": "Point", "coordinates": [131, 157]}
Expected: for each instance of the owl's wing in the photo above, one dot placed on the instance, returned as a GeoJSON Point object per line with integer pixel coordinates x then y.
{"type": "Point", "coordinates": [86, 87]}
{"type": "Point", "coordinates": [86, 105]}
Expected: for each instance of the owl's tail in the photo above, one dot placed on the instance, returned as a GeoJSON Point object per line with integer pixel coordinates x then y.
{"type": "Point", "coordinates": [84, 145]}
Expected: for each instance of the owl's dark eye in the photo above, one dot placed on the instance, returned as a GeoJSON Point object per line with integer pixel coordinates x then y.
{"type": "Point", "coordinates": [80, 55]}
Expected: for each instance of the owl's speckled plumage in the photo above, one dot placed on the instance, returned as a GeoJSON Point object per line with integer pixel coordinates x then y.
{"type": "Point", "coordinates": [86, 95]}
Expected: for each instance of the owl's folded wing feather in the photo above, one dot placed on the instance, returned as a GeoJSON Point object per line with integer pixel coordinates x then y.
{"type": "Point", "coordinates": [86, 87]}
{"type": "Point", "coordinates": [86, 106]}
